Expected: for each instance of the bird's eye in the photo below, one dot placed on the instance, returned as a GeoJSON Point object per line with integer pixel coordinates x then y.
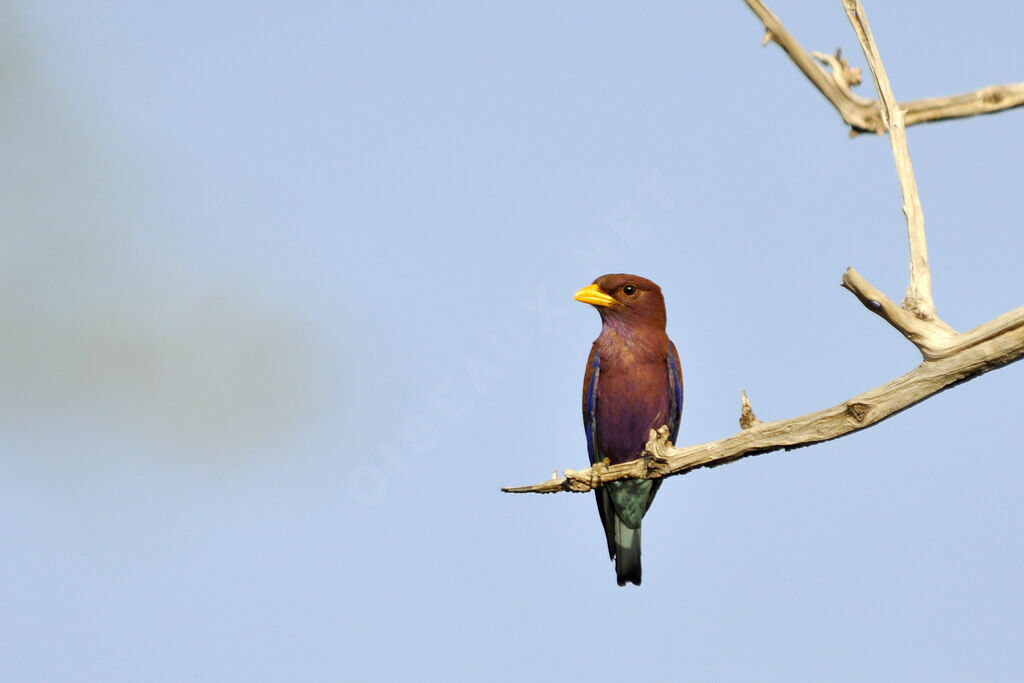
{"type": "Point", "coordinates": [629, 290]}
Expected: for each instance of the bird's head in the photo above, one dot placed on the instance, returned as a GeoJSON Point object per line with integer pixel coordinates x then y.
{"type": "Point", "coordinates": [625, 299]}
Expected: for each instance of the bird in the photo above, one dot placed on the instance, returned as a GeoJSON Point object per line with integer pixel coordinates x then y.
{"type": "Point", "coordinates": [632, 384]}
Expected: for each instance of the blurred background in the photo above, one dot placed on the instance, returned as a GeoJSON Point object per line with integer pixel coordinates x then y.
{"type": "Point", "coordinates": [286, 296]}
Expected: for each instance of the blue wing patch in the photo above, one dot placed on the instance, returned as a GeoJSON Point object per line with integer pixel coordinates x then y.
{"type": "Point", "coordinates": [675, 381]}
{"type": "Point", "coordinates": [590, 422]}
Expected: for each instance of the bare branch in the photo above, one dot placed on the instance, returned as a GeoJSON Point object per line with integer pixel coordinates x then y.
{"type": "Point", "coordinates": [933, 340]}
{"type": "Point", "coordinates": [864, 115]}
{"type": "Point", "coordinates": [988, 100]}
{"type": "Point", "coordinates": [919, 293]}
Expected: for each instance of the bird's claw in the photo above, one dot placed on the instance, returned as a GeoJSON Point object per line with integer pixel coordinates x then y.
{"type": "Point", "coordinates": [595, 471]}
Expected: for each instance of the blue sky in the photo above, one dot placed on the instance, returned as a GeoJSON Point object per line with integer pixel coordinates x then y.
{"type": "Point", "coordinates": [287, 293]}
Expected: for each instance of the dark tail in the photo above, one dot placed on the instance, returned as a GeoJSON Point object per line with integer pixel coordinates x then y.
{"type": "Point", "coordinates": [627, 553]}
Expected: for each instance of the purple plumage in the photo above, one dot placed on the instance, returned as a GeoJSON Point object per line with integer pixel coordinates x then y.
{"type": "Point", "coordinates": [632, 385]}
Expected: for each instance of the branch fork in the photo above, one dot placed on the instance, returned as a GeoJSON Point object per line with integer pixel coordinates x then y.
{"type": "Point", "coordinates": [867, 116]}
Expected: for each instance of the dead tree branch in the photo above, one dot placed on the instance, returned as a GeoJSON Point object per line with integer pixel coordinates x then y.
{"type": "Point", "coordinates": [919, 294]}
{"type": "Point", "coordinates": [949, 357]}
{"type": "Point", "coordinates": [864, 115]}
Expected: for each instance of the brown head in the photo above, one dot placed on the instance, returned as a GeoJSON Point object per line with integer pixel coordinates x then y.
{"type": "Point", "coordinates": [628, 300]}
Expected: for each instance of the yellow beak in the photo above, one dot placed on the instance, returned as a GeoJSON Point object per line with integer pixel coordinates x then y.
{"type": "Point", "coordinates": [595, 296]}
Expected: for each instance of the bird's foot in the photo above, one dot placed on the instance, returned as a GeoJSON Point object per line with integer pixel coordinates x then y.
{"type": "Point", "coordinates": [595, 471]}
